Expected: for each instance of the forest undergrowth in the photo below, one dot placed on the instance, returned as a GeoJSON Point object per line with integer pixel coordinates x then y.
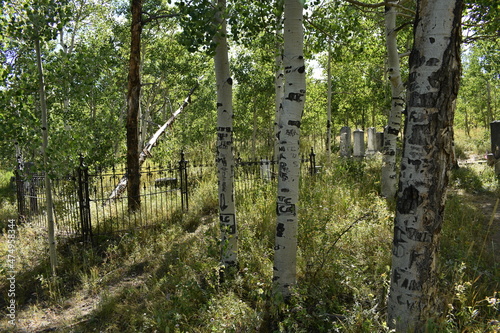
{"type": "Point", "coordinates": [166, 278]}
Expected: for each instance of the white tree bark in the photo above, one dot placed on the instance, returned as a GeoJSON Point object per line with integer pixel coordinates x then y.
{"type": "Point", "coordinates": [279, 82]}
{"type": "Point", "coordinates": [45, 144]}
{"type": "Point", "coordinates": [225, 158]}
{"type": "Point", "coordinates": [427, 158]}
{"type": "Point", "coordinates": [285, 255]}
{"type": "Point", "coordinates": [329, 105]}
{"type": "Point", "coordinates": [389, 178]}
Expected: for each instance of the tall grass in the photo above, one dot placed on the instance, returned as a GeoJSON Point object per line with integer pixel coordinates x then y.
{"type": "Point", "coordinates": [166, 278]}
{"type": "Point", "coordinates": [7, 198]}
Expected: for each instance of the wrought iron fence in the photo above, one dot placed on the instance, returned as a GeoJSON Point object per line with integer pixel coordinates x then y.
{"type": "Point", "coordinates": [82, 205]}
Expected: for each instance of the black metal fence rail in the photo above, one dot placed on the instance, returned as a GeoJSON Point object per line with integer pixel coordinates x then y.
{"type": "Point", "coordinates": [161, 189]}
{"type": "Point", "coordinates": [82, 205]}
{"type": "Point", "coordinates": [31, 201]}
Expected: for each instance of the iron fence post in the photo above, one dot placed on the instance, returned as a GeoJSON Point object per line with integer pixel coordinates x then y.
{"type": "Point", "coordinates": [19, 183]}
{"type": "Point", "coordinates": [20, 194]}
{"type": "Point", "coordinates": [184, 182]}
{"type": "Point", "coordinates": [312, 162]}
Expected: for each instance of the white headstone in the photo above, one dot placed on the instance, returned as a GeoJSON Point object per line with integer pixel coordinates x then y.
{"type": "Point", "coordinates": [345, 141]}
{"type": "Point", "coordinates": [359, 143]}
{"type": "Point", "coordinates": [372, 144]}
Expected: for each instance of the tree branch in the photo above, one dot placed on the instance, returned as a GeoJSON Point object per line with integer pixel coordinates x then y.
{"type": "Point", "coordinates": [380, 4]}
{"type": "Point", "coordinates": [157, 17]}
{"type": "Point", "coordinates": [402, 26]}
{"type": "Point", "coordinates": [315, 26]}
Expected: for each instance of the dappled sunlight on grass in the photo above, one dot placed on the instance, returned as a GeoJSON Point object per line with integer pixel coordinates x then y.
{"type": "Point", "coordinates": [167, 277]}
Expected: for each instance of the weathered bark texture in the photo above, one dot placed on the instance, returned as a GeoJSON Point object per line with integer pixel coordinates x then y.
{"type": "Point", "coordinates": [45, 144]}
{"type": "Point", "coordinates": [285, 255]}
{"type": "Point", "coordinates": [225, 158]}
{"type": "Point", "coordinates": [389, 179]}
{"type": "Point", "coordinates": [133, 100]}
{"type": "Point", "coordinates": [427, 158]}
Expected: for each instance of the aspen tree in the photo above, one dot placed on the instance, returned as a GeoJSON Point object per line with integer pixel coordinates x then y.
{"type": "Point", "coordinates": [45, 145]}
{"type": "Point", "coordinates": [35, 22]}
{"type": "Point", "coordinates": [225, 158]}
{"type": "Point", "coordinates": [389, 179]}
{"type": "Point", "coordinates": [285, 255]}
{"type": "Point", "coordinates": [427, 158]}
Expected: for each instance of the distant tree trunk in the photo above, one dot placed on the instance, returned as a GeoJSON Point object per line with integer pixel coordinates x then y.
{"type": "Point", "coordinates": [285, 254]}
{"type": "Point", "coordinates": [329, 105]}
{"type": "Point", "coordinates": [488, 101]}
{"type": "Point", "coordinates": [254, 128]}
{"type": "Point", "coordinates": [427, 158]}
{"type": "Point", "coordinates": [45, 144]}
{"type": "Point", "coordinates": [225, 158]}
{"type": "Point", "coordinates": [133, 100]}
{"type": "Point", "coordinates": [389, 179]}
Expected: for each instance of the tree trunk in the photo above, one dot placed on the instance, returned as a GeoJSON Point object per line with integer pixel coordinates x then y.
{"type": "Point", "coordinates": [329, 105]}
{"type": "Point", "coordinates": [389, 179]}
{"type": "Point", "coordinates": [488, 101]}
{"type": "Point", "coordinates": [467, 128]}
{"type": "Point", "coordinates": [285, 255]}
{"type": "Point", "coordinates": [427, 158]}
{"type": "Point", "coordinates": [254, 128]}
{"type": "Point", "coordinates": [133, 100]}
{"type": "Point", "coordinates": [279, 82]}
{"type": "Point", "coordinates": [45, 144]}
{"type": "Point", "coordinates": [225, 158]}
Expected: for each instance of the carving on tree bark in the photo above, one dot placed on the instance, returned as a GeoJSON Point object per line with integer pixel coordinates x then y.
{"type": "Point", "coordinates": [288, 150]}
{"type": "Point", "coordinates": [427, 158]}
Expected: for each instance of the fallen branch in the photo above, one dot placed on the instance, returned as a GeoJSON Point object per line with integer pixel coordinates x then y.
{"type": "Point", "coordinates": [146, 152]}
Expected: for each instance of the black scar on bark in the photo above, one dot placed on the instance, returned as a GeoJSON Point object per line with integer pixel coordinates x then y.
{"type": "Point", "coordinates": [294, 123]}
{"type": "Point", "coordinates": [219, 105]}
{"type": "Point", "coordinates": [415, 162]}
{"type": "Point", "coordinates": [432, 40]}
{"type": "Point", "coordinates": [409, 200]}
{"type": "Point", "coordinates": [392, 130]}
{"type": "Point", "coordinates": [424, 100]}
{"type": "Point", "coordinates": [432, 62]}
{"type": "Point", "coordinates": [230, 81]}
{"type": "Point", "coordinates": [420, 135]}
{"type": "Point", "coordinates": [420, 59]}
{"type": "Point", "coordinates": [398, 232]}
{"type": "Point", "coordinates": [279, 230]}
{"type": "Point", "coordinates": [301, 69]}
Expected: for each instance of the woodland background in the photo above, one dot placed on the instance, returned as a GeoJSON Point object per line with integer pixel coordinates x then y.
{"type": "Point", "coordinates": [345, 230]}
